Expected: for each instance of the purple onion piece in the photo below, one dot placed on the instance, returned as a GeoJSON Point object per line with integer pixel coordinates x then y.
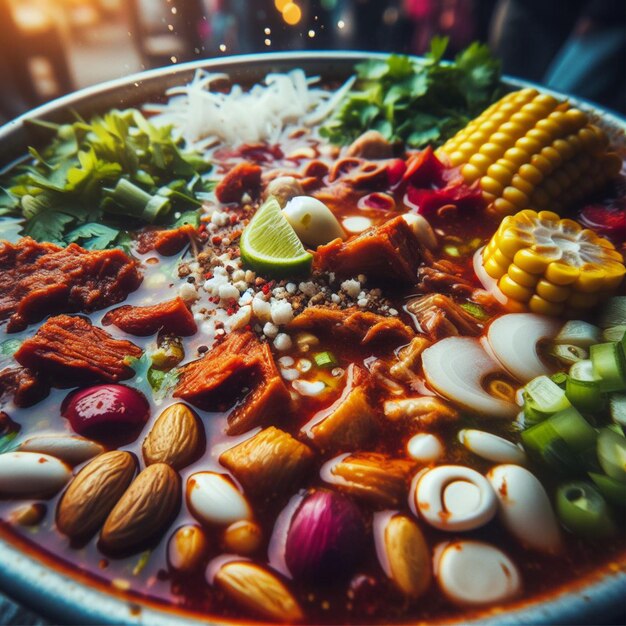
{"type": "Point", "coordinates": [325, 538]}
{"type": "Point", "coordinates": [113, 413]}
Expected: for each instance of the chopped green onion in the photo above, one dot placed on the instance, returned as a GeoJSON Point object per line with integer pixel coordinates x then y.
{"type": "Point", "coordinates": [325, 359]}
{"type": "Point", "coordinates": [475, 310]}
{"type": "Point", "coordinates": [546, 395]}
{"type": "Point", "coordinates": [612, 454]}
{"type": "Point", "coordinates": [563, 441]}
{"type": "Point", "coordinates": [616, 333]}
{"type": "Point", "coordinates": [617, 408]}
{"type": "Point", "coordinates": [613, 490]}
{"type": "Point", "coordinates": [568, 353]}
{"type": "Point", "coordinates": [137, 202]}
{"type": "Point", "coordinates": [585, 395]}
{"type": "Point", "coordinates": [560, 379]}
{"type": "Point", "coordinates": [609, 364]}
{"type": "Point", "coordinates": [578, 333]}
{"type": "Point", "coordinates": [582, 510]}
{"type": "Point", "coordinates": [613, 312]}
{"type": "Point", "coordinates": [583, 370]}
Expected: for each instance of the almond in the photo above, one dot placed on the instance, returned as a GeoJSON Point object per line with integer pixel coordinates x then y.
{"type": "Point", "coordinates": [94, 492]}
{"type": "Point", "coordinates": [407, 555]}
{"type": "Point", "coordinates": [187, 548]}
{"type": "Point", "coordinates": [259, 590]}
{"type": "Point", "coordinates": [176, 438]}
{"type": "Point", "coordinates": [143, 512]}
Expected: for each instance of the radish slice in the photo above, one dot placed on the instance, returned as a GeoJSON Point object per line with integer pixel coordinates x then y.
{"type": "Point", "coordinates": [455, 367]}
{"type": "Point", "coordinates": [513, 340]}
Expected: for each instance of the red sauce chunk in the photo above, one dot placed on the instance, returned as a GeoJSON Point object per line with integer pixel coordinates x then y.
{"type": "Point", "coordinates": [388, 252]}
{"type": "Point", "coordinates": [63, 347]}
{"type": "Point", "coordinates": [172, 316]}
{"type": "Point", "coordinates": [37, 279]}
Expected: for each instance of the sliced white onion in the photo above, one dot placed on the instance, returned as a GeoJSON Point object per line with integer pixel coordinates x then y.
{"type": "Point", "coordinates": [513, 339]}
{"type": "Point", "coordinates": [474, 573]}
{"type": "Point", "coordinates": [455, 367]}
{"type": "Point", "coordinates": [525, 509]}
{"type": "Point", "coordinates": [492, 447]}
{"type": "Point", "coordinates": [454, 497]}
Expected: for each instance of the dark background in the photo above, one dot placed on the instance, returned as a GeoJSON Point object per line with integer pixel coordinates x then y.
{"type": "Point", "coordinates": [52, 47]}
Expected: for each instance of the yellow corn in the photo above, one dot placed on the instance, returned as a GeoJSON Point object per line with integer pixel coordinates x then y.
{"type": "Point", "coordinates": [530, 151]}
{"type": "Point", "coordinates": [551, 265]}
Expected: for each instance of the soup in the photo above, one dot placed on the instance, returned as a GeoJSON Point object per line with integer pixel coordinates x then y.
{"type": "Point", "coordinates": [327, 384]}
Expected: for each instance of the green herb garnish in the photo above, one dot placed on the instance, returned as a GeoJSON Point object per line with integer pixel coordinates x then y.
{"type": "Point", "coordinates": [417, 102]}
{"type": "Point", "coordinates": [94, 178]}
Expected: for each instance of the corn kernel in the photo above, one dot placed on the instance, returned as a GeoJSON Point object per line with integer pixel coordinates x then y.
{"type": "Point", "coordinates": [529, 145]}
{"type": "Point", "coordinates": [491, 186]}
{"type": "Point", "coordinates": [470, 172]}
{"type": "Point", "coordinates": [531, 174]}
{"type": "Point", "coordinates": [491, 150]}
{"type": "Point", "coordinates": [539, 305]}
{"type": "Point", "coordinates": [504, 207]}
{"type": "Point", "coordinates": [521, 277]}
{"type": "Point", "coordinates": [561, 273]}
{"type": "Point", "coordinates": [523, 185]}
{"type": "Point", "coordinates": [551, 292]}
{"type": "Point", "coordinates": [480, 162]}
{"type": "Point", "coordinates": [516, 197]}
{"type": "Point", "coordinates": [591, 279]}
{"type": "Point", "coordinates": [514, 290]}
{"type": "Point", "coordinates": [494, 269]}
{"type": "Point", "coordinates": [530, 261]}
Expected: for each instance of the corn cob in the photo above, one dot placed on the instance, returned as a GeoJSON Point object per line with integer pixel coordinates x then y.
{"type": "Point", "coordinates": [530, 151]}
{"type": "Point", "coordinates": [550, 265]}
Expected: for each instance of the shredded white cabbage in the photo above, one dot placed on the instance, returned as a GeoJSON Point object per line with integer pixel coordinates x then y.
{"type": "Point", "coordinates": [204, 117]}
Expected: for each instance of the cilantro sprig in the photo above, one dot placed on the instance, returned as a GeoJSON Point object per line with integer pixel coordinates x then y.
{"type": "Point", "coordinates": [96, 180]}
{"type": "Point", "coordinates": [417, 102]}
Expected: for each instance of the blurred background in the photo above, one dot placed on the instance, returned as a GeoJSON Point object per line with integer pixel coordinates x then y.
{"type": "Point", "coordinates": [51, 47]}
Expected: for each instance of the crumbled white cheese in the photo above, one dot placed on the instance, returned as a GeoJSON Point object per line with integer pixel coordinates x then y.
{"type": "Point", "coordinates": [290, 374]}
{"type": "Point", "coordinates": [238, 275]}
{"type": "Point", "coordinates": [241, 318]}
{"type": "Point", "coordinates": [362, 302]}
{"type": "Point", "coordinates": [261, 309]}
{"type": "Point", "coordinates": [246, 297]}
{"type": "Point", "coordinates": [351, 287]}
{"type": "Point", "coordinates": [188, 292]}
{"type": "Point", "coordinates": [308, 289]}
{"type": "Point", "coordinates": [281, 312]}
{"type": "Point", "coordinates": [270, 330]}
{"type": "Point", "coordinates": [241, 285]}
{"type": "Point", "coordinates": [335, 298]}
{"type": "Point", "coordinates": [219, 218]}
{"type": "Point", "coordinates": [291, 288]}
{"type": "Point", "coordinates": [282, 342]}
{"type": "Point", "coordinates": [228, 292]}
{"type": "Point", "coordinates": [286, 361]}
{"type": "Point", "coordinates": [393, 312]}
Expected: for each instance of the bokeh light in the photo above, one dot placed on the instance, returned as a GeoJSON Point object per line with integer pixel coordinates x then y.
{"type": "Point", "coordinates": [281, 4]}
{"type": "Point", "coordinates": [292, 13]}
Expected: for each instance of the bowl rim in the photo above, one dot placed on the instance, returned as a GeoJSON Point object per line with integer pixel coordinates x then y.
{"type": "Point", "coordinates": [45, 586]}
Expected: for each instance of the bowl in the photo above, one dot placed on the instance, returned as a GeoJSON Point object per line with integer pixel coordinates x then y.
{"type": "Point", "coordinates": [64, 595]}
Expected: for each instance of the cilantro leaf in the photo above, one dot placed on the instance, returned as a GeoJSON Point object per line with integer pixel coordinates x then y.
{"type": "Point", "coordinates": [64, 191]}
{"type": "Point", "coordinates": [418, 102]}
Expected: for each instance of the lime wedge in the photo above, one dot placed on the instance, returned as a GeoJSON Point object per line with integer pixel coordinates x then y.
{"type": "Point", "coordinates": [270, 245]}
